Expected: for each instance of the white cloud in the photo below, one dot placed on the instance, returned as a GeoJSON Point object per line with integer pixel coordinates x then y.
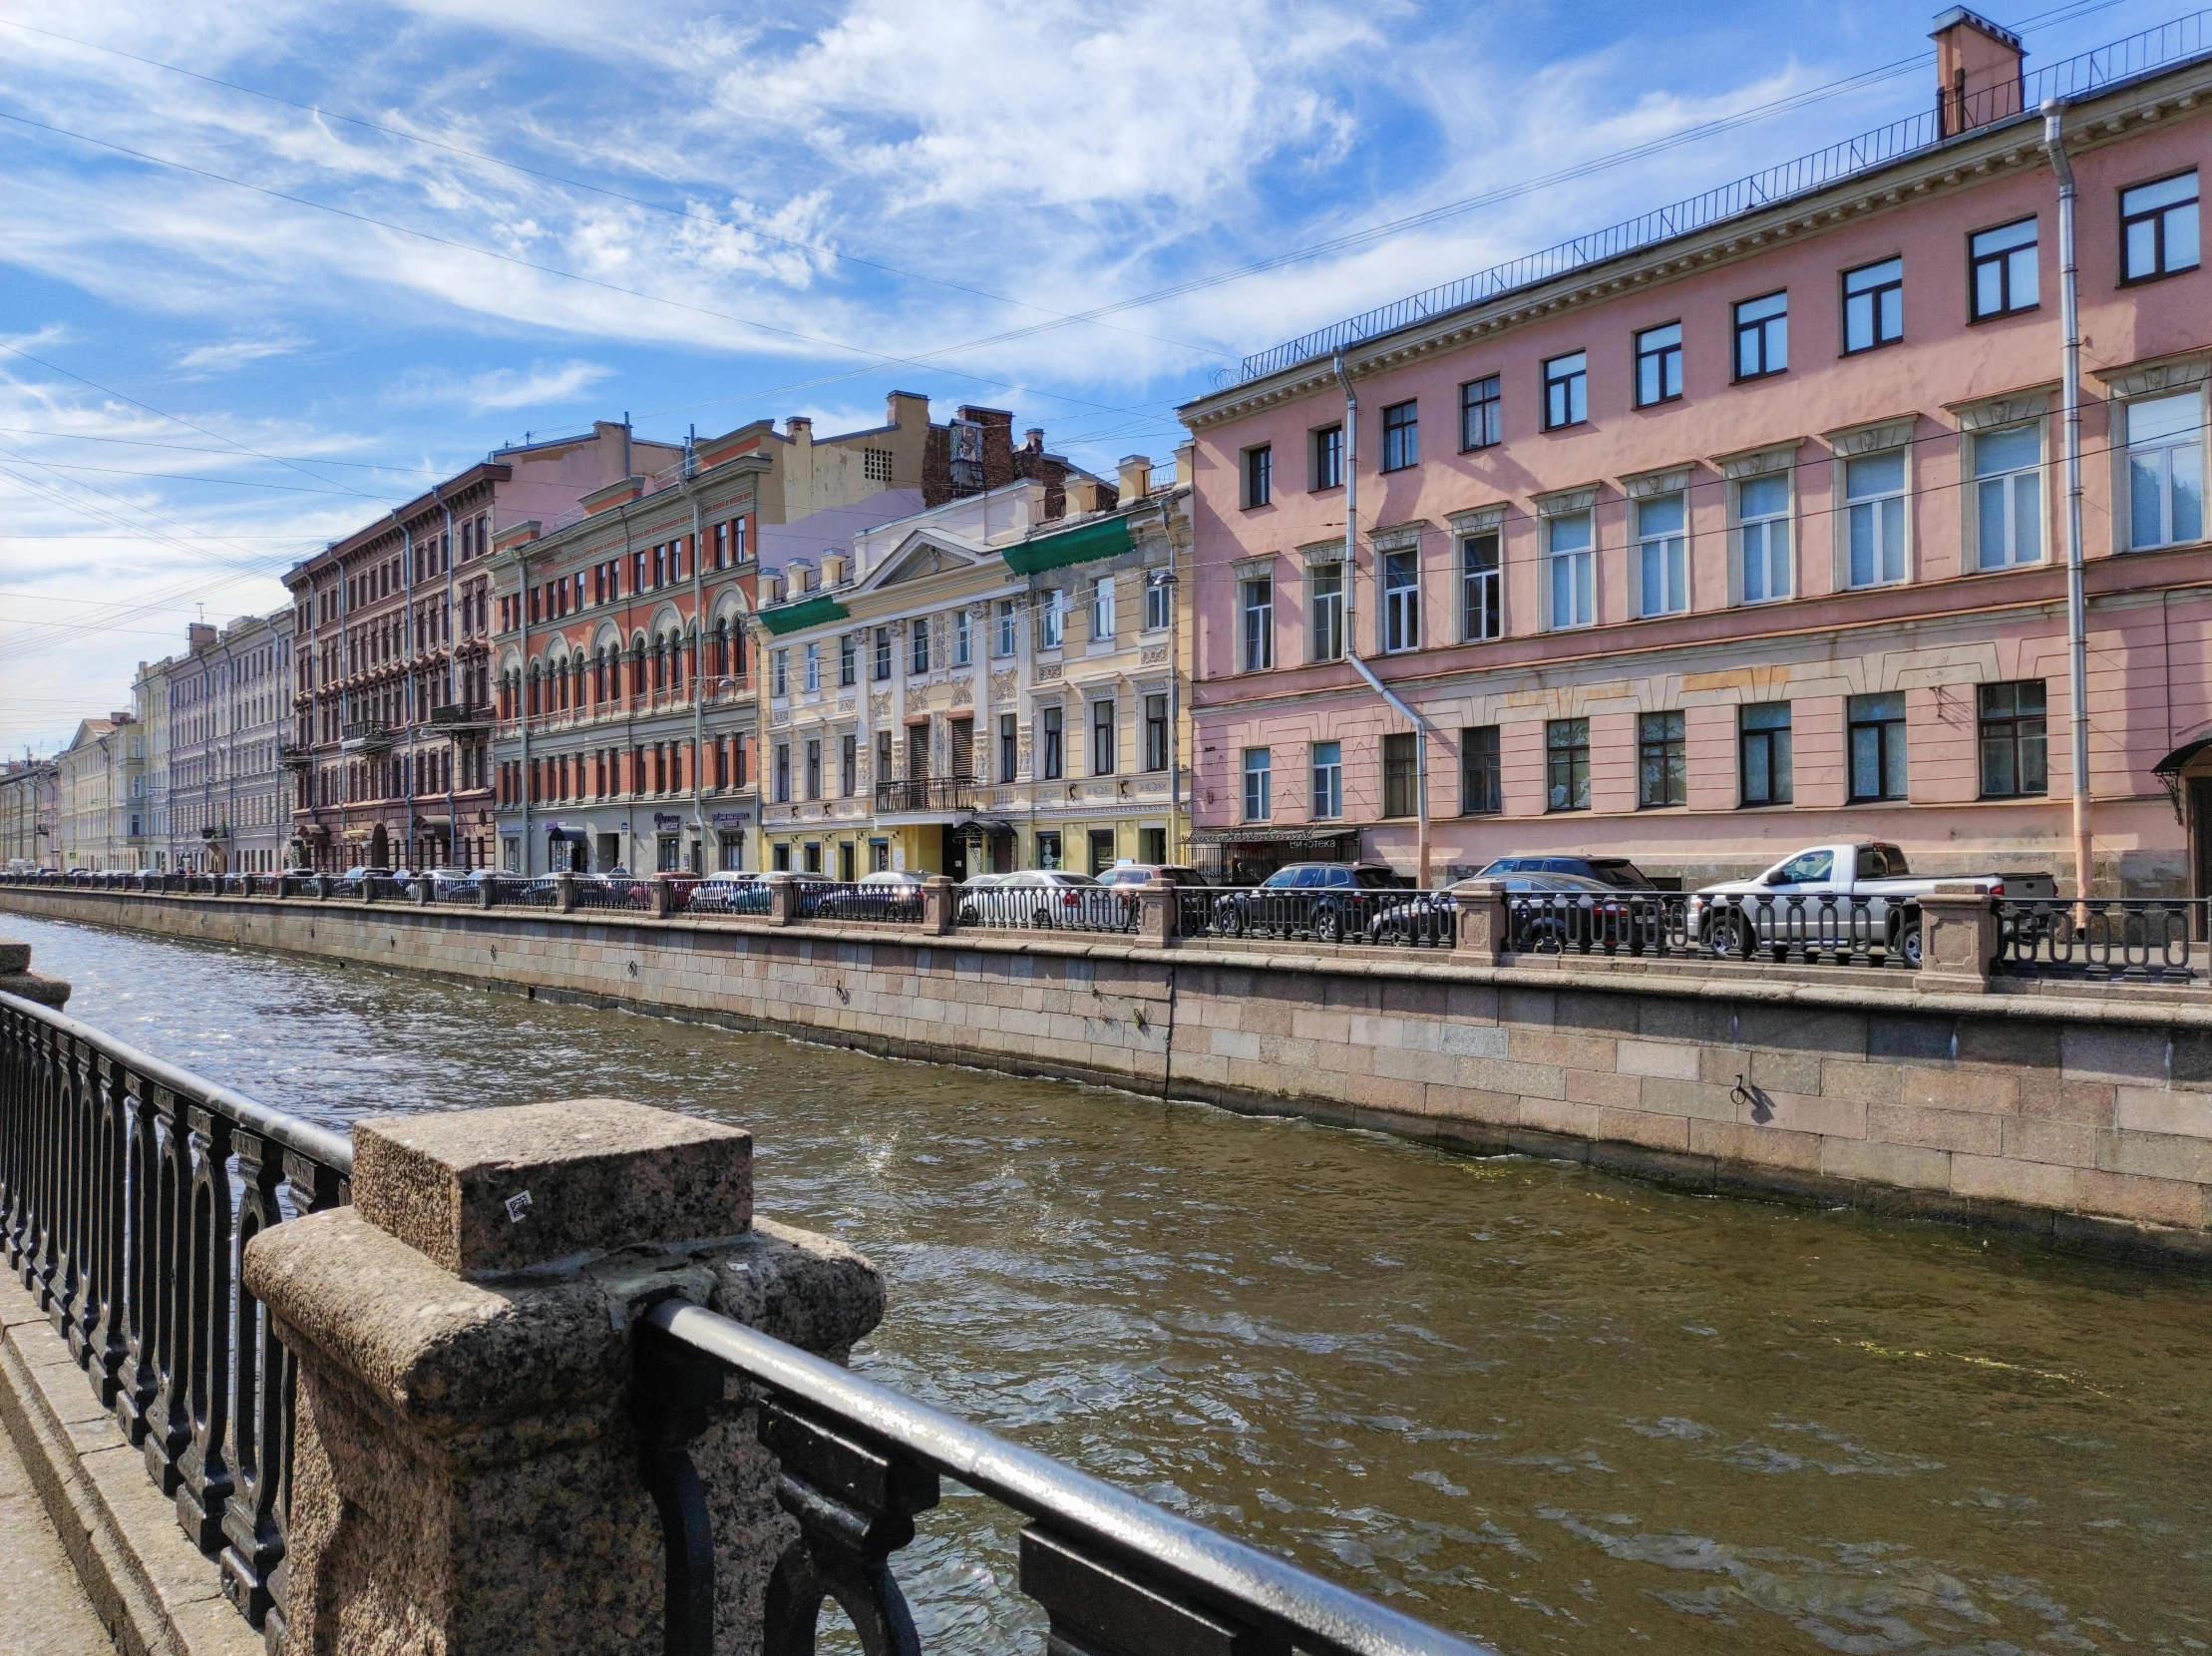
{"type": "Point", "coordinates": [502, 388]}
{"type": "Point", "coordinates": [226, 356]}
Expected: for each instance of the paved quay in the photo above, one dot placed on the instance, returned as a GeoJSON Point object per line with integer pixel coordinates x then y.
{"type": "Point", "coordinates": [43, 1609]}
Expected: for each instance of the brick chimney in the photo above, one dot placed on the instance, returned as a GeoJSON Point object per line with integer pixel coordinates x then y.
{"type": "Point", "coordinates": [1977, 71]}
{"type": "Point", "coordinates": [1136, 475]}
{"type": "Point", "coordinates": [199, 635]}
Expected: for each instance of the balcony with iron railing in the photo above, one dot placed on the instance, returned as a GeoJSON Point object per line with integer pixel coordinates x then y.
{"type": "Point", "coordinates": [471, 719]}
{"type": "Point", "coordinates": [925, 794]}
{"type": "Point", "coordinates": [364, 735]}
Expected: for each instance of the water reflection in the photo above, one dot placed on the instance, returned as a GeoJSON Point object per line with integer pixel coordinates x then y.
{"type": "Point", "coordinates": [1544, 1407]}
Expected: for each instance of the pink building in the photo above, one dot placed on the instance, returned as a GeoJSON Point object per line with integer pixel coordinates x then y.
{"type": "Point", "coordinates": [1743, 526]}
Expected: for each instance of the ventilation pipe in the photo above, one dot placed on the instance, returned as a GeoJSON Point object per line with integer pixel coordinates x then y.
{"type": "Point", "coordinates": [1352, 629]}
{"type": "Point", "coordinates": [2077, 626]}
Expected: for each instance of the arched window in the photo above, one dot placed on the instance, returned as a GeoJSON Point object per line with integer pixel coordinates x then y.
{"type": "Point", "coordinates": [722, 648]}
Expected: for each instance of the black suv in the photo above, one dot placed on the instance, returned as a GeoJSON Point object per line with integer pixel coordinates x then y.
{"type": "Point", "coordinates": [1324, 900]}
{"type": "Point", "coordinates": [1617, 872]}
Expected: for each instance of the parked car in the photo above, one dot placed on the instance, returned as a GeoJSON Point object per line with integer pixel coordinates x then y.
{"type": "Point", "coordinates": [1140, 874]}
{"type": "Point", "coordinates": [1836, 897]}
{"type": "Point", "coordinates": [1033, 896]}
{"type": "Point", "coordinates": [350, 880]}
{"type": "Point", "coordinates": [725, 892]}
{"type": "Point", "coordinates": [1618, 872]}
{"type": "Point", "coordinates": [1322, 899]}
{"type": "Point", "coordinates": [888, 894]}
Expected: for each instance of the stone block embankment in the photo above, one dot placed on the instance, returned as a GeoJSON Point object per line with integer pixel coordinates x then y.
{"type": "Point", "coordinates": [2083, 1117]}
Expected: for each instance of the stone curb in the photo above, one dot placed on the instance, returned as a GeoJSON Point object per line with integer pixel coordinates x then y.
{"type": "Point", "coordinates": [153, 1590]}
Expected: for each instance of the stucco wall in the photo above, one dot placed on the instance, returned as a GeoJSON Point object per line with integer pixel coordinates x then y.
{"type": "Point", "coordinates": [2082, 1118]}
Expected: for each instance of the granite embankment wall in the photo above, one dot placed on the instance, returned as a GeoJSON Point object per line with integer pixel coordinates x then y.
{"type": "Point", "coordinates": [2084, 1116]}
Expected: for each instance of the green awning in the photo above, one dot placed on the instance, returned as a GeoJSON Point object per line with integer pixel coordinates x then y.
{"type": "Point", "coordinates": [808, 612]}
{"type": "Point", "coordinates": [1108, 538]}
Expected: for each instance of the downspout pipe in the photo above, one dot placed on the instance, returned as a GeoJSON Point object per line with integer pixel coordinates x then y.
{"type": "Point", "coordinates": [698, 649]}
{"type": "Point", "coordinates": [1352, 629]}
{"type": "Point", "coordinates": [2078, 628]}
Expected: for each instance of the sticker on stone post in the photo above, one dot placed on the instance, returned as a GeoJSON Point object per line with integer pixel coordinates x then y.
{"type": "Point", "coordinates": [517, 1205]}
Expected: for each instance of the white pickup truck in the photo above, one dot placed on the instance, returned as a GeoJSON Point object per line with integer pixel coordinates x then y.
{"type": "Point", "coordinates": [1835, 898]}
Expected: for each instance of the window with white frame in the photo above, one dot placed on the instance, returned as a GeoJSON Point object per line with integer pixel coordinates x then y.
{"type": "Point", "coordinates": [1662, 555]}
{"type": "Point", "coordinates": [1762, 533]}
{"type": "Point", "coordinates": [918, 642]}
{"type": "Point", "coordinates": [2165, 471]}
{"type": "Point", "coordinates": [2009, 496]}
{"type": "Point", "coordinates": [1004, 644]}
{"type": "Point", "coordinates": [780, 674]}
{"type": "Point", "coordinates": [1566, 390]}
{"type": "Point", "coordinates": [1159, 600]}
{"type": "Point", "coordinates": [1402, 600]}
{"type": "Point", "coordinates": [1258, 784]}
{"type": "Point", "coordinates": [964, 636]}
{"type": "Point", "coordinates": [2158, 228]}
{"type": "Point", "coordinates": [1102, 606]}
{"type": "Point", "coordinates": [1329, 779]}
{"type": "Point", "coordinates": [2000, 268]}
{"type": "Point", "coordinates": [1051, 618]}
{"type": "Point", "coordinates": [1658, 364]}
{"type": "Point", "coordinates": [1103, 755]}
{"type": "Point", "coordinates": [1481, 597]}
{"type": "Point", "coordinates": [1324, 609]}
{"type": "Point", "coordinates": [813, 668]}
{"type": "Point", "coordinates": [1874, 518]}
{"type": "Point", "coordinates": [882, 652]}
{"type": "Point", "coordinates": [848, 660]}
{"type": "Point", "coordinates": [1256, 637]}
{"type": "Point", "coordinates": [1571, 558]}
{"type": "Point", "coordinates": [1401, 436]}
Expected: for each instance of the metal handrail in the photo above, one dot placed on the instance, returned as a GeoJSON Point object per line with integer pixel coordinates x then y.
{"type": "Point", "coordinates": [1126, 1536]}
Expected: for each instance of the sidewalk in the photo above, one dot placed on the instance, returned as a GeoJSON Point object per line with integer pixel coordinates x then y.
{"type": "Point", "coordinates": [43, 1610]}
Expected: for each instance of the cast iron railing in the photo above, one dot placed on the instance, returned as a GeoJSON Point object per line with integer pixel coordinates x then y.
{"type": "Point", "coordinates": [599, 891]}
{"type": "Point", "coordinates": [1798, 929]}
{"type": "Point", "coordinates": [857, 1462]}
{"type": "Point", "coordinates": [926, 794]}
{"type": "Point", "coordinates": [2116, 939]}
{"type": "Point", "coordinates": [129, 1190]}
{"type": "Point", "coordinates": [898, 905]}
{"type": "Point", "coordinates": [1050, 908]}
{"type": "Point", "coordinates": [1317, 913]}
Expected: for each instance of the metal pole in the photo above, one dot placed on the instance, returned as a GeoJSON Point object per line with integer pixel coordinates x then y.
{"type": "Point", "coordinates": [2078, 630]}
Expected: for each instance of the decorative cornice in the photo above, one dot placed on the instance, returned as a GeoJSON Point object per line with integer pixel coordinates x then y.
{"type": "Point", "coordinates": [2181, 373]}
{"type": "Point", "coordinates": [2006, 409]}
{"type": "Point", "coordinates": [1560, 502]}
{"type": "Point", "coordinates": [1872, 436]}
{"type": "Point", "coordinates": [1397, 537]}
{"type": "Point", "coordinates": [1476, 520]}
{"type": "Point", "coordinates": [1768, 457]}
{"type": "Point", "coordinates": [1670, 480]}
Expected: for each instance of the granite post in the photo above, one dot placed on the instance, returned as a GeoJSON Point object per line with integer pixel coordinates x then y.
{"type": "Point", "coordinates": [1485, 927]}
{"type": "Point", "coordinates": [1958, 939]}
{"type": "Point", "coordinates": [940, 906]}
{"type": "Point", "coordinates": [466, 1476]}
{"type": "Point", "coordinates": [1155, 911]}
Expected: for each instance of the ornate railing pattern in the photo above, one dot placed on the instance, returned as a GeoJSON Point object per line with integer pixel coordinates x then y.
{"type": "Point", "coordinates": [597, 891]}
{"type": "Point", "coordinates": [898, 905]}
{"type": "Point", "coordinates": [858, 1463]}
{"type": "Point", "coordinates": [1318, 914]}
{"type": "Point", "coordinates": [129, 1190]}
{"type": "Point", "coordinates": [2115, 939]}
{"type": "Point", "coordinates": [1048, 907]}
{"type": "Point", "coordinates": [1797, 929]}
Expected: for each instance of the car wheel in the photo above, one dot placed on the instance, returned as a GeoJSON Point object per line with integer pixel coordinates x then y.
{"type": "Point", "coordinates": [1908, 943]}
{"type": "Point", "coordinates": [1042, 919]}
{"type": "Point", "coordinates": [1230, 922]}
{"type": "Point", "coordinates": [1328, 926]}
{"type": "Point", "coordinates": [1729, 936]}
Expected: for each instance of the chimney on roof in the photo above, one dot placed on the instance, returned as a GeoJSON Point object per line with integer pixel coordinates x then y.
{"type": "Point", "coordinates": [199, 635]}
{"type": "Point", "coordinates": [1977, 71]}
{"type": "Point", "coordinates": [899, 406]}
{"type": "Point", "coordinates": [799, 427]}
{"type": "Point", "coordinates": [1033, 439]}
{"type": "Point", "coordinates": [1136, 475]}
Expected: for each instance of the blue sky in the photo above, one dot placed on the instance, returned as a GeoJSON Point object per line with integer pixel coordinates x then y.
{"type": "Point", "coordinates": [472, 218]}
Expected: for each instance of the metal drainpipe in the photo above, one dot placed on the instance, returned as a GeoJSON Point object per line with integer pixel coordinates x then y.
{"type": "Point", "coordinates": [407, 642]}
{"type": "Point", "coordinates": [2078, 646]}
{"type": "Point", "coordinates": [698, 652]}
{"type": "Point", "coordinates": [522, 699]}
{"type": "Point", "coordinates": [1351, 629]}
{"type": "Point", "coordinates": [1175, 690]}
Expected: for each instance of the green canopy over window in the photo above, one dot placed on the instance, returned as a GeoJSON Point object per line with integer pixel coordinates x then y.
{"type": "Point", "coordinates": [1108, 538]}
{"type": "Point", "coordinates": [808, 612]}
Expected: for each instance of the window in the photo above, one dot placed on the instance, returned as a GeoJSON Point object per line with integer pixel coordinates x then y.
{"type": "Point", "coordinates": [1762, 741]}
{"type": "Point", "coordinates": [1570, 573]}
{"type": "Point", "coordinates": [1159, 600]}
{"type": "Point", "coordinates": [1874, 305]}
{"type": "Point", "coordinates": [917, 645]}
{"type": "Point", "coordinates": [1004, 644]}
{"type": "Point", "coordinates": [1329, 457]}
{"type": "Point", "coordinates": [849, 765]}
{"type": "Point", "coordinates": [1258, 784]}
{"type": "Point", "coordinates": [1324, 609]}
{"type": "Point", "coordinates": [1762, 336]}
{"type": "Point", "coordinates": [2015, 745]}
{"type": "Point", "coordinates": [1662, 765]}
{"type": "Point", "coordinates": [1055, 745]}
{"type": "Point", "coordinates": [1103, 757]}
{"type": "Point", "coordinates": [813, 668]}
{"type": "Point", "coordinates": [1663, 555]}
{"type": "Point", "coordinates": [1874, 734]}
{"type": "Point", "coordinates": [1402, 600]}
{"type": "Point", "coordinates": [1567, 390]}
{"type": "Point", "coordinates": [1328, 780]}
{"type": "Point", "coordinates": [1009, 746]}
{"type": "Point", "coordinates": [1048, 850]}
{"type": "Point", "coordinates": [2002, 269]}
{"type": "Point", "coordinates": [848, 660]}
{"type": "Point", "coordinates": [1260, 475]}
{"type": "Point", "coordinates": [1051, 618]}
{"type": "Point", "coordinates": [963, 629]}
{"type": "Point", "coordinates": [882, 652]}
{"type": "Point", "coordinates": [1481, 615]}
{"type": "Point", "coordinates": [814, 768]}
{"type": "Point", "coordinates": [1102, 606]}
{"type": "Point", "coordinates": [1401, 436]}
{"type": "Point", "coordinates": [882, 757]}
{"type": "Point", "coordinates": [1401, 775]}
{"type": "Point", "coordinates": [2158, 229]}
{"type": "Point", "coordinates": [1874, 518]}
{"type": "Point", "coordinates": [1480, 792]}
{"type": "Point", "coordinates": [1762, 514]}
{"type": "Point", "coordinates": [2009, 497]}
{"type": "Point", "coordinates": [876, 465]}
{"type": "Point", "coordinates": [1156, 733]}
{"type": "Point", "coordinates": [1258, 624]}
{"type": "Point", "coordinates": [1658, 364]}
{"type": "Point", "coordinates": [2165, 471]}
{"type": "Point", "coordinates": [783, 773]}
{"type": "Point", "coordinates": [780, 672]}
{"type": "Point", "coordinates": [1567, 764]}
{"type": "Point", "coordinates": [1481, 414]}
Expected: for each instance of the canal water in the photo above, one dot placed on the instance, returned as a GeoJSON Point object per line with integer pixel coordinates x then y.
{"type": "Point", "coordinates": [1548, 1408]}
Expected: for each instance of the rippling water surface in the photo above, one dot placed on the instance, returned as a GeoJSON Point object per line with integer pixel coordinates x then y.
{"type": "Point", "coordinates": [1530, 1403]}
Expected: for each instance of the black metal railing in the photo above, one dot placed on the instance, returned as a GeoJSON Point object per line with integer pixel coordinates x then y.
{"type": "Point", "coordinates": [897, 905]}
{"type": "Point", "coordinates": [367, 734]}
{"type": "Point", "coordinates": [597, 891]}
{"type": "Point", "coordinates": [1320, 913]}
{"type": "Point", "coordinates": [857, 1462]}
{"type": "Point", "coordinates": [2114, 939]}
{"type": "Point", "coordinates": [1794, 929]}
{"type": "Point", "coordinates": [129, 1190]}
{"type": "Point", "coordinates": [927, 793]}
{"type": "Point", "coordinates": [1048, 907]}
{"type": "Point", "coordinates": [520, 891]}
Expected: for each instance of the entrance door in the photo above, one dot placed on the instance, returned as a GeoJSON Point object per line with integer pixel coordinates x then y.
{"type": "Point", "coordinates": [1102, 850]}
{"type": "Point", "coordinates": [380, 848]}
{"type": "Point", "coordinates": [2200, 836]}
{"type": "Point", "coordinates": [956, 855]}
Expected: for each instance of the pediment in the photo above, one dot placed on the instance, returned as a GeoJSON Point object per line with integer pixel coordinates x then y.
{"type": "Point", "coordinates": [920, 559]}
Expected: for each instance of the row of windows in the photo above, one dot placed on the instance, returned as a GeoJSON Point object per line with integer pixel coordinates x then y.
{"type": "Point", "coordinates": [2159, 237]}
{"type": "Point", "coordinates": [612, 772]}
{"type": "Point", "coordinates": [648, 570]}
{"type": "Point", "coordinates": [969, 762]}
{"type": "Point", "coordinates": [2012, 746]}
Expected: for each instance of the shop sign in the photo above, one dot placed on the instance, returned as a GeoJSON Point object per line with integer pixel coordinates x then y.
{"type": "Point", "coordinates": [666, 820]}
{"type": "Point", "coordinates": [730, 819]}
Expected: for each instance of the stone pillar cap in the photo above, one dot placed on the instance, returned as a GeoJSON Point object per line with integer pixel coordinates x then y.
{"type": "Point", "coordinates": [483, 1191]}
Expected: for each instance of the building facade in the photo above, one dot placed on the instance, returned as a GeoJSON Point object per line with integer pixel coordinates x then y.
{"type": "Point", "coordinates": [227, 801]}
{"type": "Point", "coordinates": [1750, 537]}
{"type": "Point", "coordinates": [150, 700]}
{"type": "Point", "coordinates": [989, 684]}
{"type": "Point", "coordinates": [390, 745]}
{"type": "Point", "coordinates": [30, 814]}
{"type": "Point", "coordinates": [627, 726]}
{"type": "Point", "coordinates": [100, 783]}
